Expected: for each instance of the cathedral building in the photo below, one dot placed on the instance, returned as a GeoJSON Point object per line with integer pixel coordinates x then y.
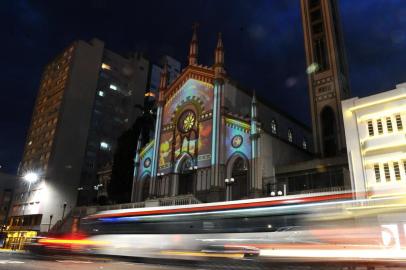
{"type": "Point", "coordinates": [214, 140]}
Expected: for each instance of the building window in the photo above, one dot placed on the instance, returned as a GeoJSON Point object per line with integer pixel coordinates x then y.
{"type": "Point", "coordinates": [380, 127]}
{"type": "Point", "coordinates": [105, 66]}
{"type": "Point", "coordinates": [104, 145]}
{"type": "Point", "coordinates": [113, 87]}
{"type": "Point", "coordinates": [397, 171]}
{"type": "Point", "coordinates": [404, 166]}
{"type": "Point", "coordinates": [290, 135]}
{"type": "Point", "coordinates": [370, 128]}
{"type": "Point", "coordinates": [389, 124]}
{"type": "Point", "coordinates": [399, 122]}
{"type": "Point", "coordinates": [273, 126]}
{"type": "Point", "coordinates": [377, 173]}
{"type": "Point", "coordinates": [304, 144]}
{"type": "Point", "coordinates": [387, 172]}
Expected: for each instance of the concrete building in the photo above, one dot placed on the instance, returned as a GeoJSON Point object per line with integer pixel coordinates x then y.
{"type": "Point", "coordinates": [327, 74]}
{"type": "Point", "coordinates": [327, 86]}
{"type": "Point", "coordinates": [174, 69]}
{"type": "Point", "coordinates": [85, 101]}
{"type": "Point", "coordinates": [376, 142]}
{"type": "Point", "coordinates": [213, 139]}
{"type": "Point", "coordinates": [7, 185]}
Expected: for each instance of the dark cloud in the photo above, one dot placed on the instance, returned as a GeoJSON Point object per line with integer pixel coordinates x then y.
{"type": "Point", "coordinates": [263, 42]}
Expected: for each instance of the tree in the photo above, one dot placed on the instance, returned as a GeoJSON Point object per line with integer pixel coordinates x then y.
{"type": "Point", "coordinates": [120, 185]}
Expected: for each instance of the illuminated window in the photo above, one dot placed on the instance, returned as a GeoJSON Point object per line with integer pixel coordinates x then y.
{"type": "Point", "coordinates": [399, 122]}
{"type": "Point", "coordinates": [380, 127]}
{"type": "Point", "coordinates": [273, 126]}
{"type": "Point", "coordinates": [105, 66]}
{"type": "Point", "coordinates": [290, 135]}
{"type": "Point", "coordinates": [377, 173]}
{"type": "Point", "coordinates": [304, 144]}
{"type": "Point", "coordinates": [397, 171]}
{"type": "Point", "coordinates": [404, 167]}
{"type": "Point", "coordinates": [370, 128]}
{"type": "Point", "coordinates": [101, 93]}
{"type": "Point", "coordinates": [389, 124]}
{"type": "Point", "coordinates": [387, 172]}
{"type": "Point", "coordinates": [104, 145]}
{"type": "Point", "coordinates": [113, 87]}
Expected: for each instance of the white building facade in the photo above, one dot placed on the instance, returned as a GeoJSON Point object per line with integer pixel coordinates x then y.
{"type": "Point", "coordinates": [375, 133]}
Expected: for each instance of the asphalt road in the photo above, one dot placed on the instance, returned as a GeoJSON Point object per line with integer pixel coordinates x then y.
{"type": "Point", "coordinates": [20, 261]}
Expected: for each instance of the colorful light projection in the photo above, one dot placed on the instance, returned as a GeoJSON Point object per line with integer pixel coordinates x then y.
{"type": "Point", "coordinates": [237, 138]}
{"type": "Point", "coordinates": [204, 146]}
{"type": "Point", "coordinates": [165, 151]}
{"type": "Point", "coordinates": [146, 159]}
{"type": "Point", "coordinates": [192, 88]}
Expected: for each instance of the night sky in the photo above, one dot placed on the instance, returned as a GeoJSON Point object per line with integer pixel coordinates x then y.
{"type": "Point", "coordinates": [263, 47]}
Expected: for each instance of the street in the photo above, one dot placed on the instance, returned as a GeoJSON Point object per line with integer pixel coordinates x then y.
{"type": "Point", "coordinates": [26, 261]}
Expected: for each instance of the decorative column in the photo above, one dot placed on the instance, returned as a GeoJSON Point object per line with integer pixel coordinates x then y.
{"type": "Point", "coordinates": [158, 124]}
{"type": "Point", "coordinates": [255, 168]}
{"type": "Point", "coordinates": [136, 186]}
{"type": "Point", "coordinates": [217, 114]}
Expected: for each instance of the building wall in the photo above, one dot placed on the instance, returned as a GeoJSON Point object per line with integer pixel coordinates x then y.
{"type": "Point", "coordinates": [64, 140]}
{"type": "Point", "coordinates": [239, 102]}
{"type": "Point", "coordinates": [376, 140]}
{"type": "Point", "coordinates": [7, 185]}
{"type": "Point", "coordinates": [236, 123]}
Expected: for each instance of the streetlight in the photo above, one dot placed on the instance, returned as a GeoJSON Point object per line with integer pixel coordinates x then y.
{"type": "Point", "coordinates": [229, 182]}
{"type": "Point", "coordinates": [29, 177]}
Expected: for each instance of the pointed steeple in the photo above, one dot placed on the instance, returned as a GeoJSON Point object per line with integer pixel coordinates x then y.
{"type": "Point", "coordinates": [193, 51]}
{"type": "Point", "coordinates": [254, 112]}
{"type": "Point", "coordinates": [219, 57]}
{"type": "Point", "coordinates": [138, 150]}
{"type": "Point", "coordinates": [163, 82]}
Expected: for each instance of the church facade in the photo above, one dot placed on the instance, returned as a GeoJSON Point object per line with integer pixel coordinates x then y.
{"type": "Point", "coordinates": [213, 139]}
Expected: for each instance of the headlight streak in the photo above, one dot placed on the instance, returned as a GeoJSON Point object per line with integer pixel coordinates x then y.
{"type": "Point", "coordinates": [255, 211]}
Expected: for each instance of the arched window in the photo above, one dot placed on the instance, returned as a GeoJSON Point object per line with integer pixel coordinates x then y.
{"type": "Point", "coordinates": [290, 135]}
{"type": "Point", "coordinates": [273, 126]}
{"type": "Point", "coordinates": [328, 124]}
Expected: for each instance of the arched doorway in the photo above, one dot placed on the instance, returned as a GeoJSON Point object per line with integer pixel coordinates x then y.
{"type": "Point", "coordinates": [329, 131]}
{"type": "Point", "coordinates": [186, 178]}
{"type": "Point", "coordinates": [145, 188]}
{"type": "Point", "coordinates": [239, 188]}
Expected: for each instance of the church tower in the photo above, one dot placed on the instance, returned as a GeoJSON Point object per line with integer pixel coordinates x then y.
{"type": "Point", "coordinates": [327, 74]}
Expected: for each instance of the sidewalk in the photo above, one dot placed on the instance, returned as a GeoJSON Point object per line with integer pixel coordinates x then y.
{"type": "Point", "coordinates": [7, 250]}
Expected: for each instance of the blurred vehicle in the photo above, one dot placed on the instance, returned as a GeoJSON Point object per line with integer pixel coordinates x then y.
{"type": "Point", "coordinates": [326, 225]}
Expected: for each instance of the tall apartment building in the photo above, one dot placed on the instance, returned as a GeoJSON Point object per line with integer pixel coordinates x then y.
{"type": "Point", "coordinates": [376, 142]}
{"type": "Point", "coordinates": [86, 100]}
{"type": "Point", "coordinates": [174, 69]}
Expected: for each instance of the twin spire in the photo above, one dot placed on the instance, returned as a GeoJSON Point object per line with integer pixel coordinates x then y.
{"type": "Point", "coordinates": [218, 53]}
{"type": "Point", "coordinates": [193, 54]}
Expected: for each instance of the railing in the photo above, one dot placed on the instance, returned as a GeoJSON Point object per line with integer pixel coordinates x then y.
{"type": "Point", "coordinates": [178, 200]}
{"type": "Point", "coordinates": [168, 201]}
{"type": "Point", "coordinates": [88, 210]}
{"type": "Point", "coordinates": [317, 190]}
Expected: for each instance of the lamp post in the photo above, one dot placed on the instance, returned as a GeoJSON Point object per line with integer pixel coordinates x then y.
{"type": "Point", "coordinates": [50, 222]}
{"type": "Point", "coordinates": [229, 182]}
{"type": "Point", "coordinates": [30, 177]}
{"type": "Point", "coordinates": [64, 208]}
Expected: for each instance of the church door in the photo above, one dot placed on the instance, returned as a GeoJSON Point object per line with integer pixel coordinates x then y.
{"type": "Point", "coordinates": [239, 188]}
{"type": "Point", "coordinates": [186, 178]}
{"type": "Point", "coordinates": [145, 188]}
